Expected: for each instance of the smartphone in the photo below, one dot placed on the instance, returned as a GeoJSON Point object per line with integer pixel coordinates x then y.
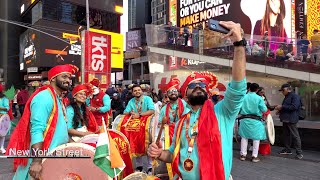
{"type": "Point", "coordinates": [215, 26]}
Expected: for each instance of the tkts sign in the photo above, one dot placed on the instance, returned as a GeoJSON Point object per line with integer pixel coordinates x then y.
{"type": "Point", "coordinates": [97, 57]}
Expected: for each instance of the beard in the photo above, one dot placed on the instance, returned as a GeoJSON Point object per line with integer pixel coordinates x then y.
{"type": "Point", "coordinates": [173, 98]}
{"type": "Point", "coordinates": [199, 98]}
{"type": "Point", "coordinates": [60, 85]}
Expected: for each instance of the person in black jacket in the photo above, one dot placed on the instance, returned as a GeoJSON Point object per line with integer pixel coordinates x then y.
{"type": "Point", "coordinates": [116, 105]}
{"type": "Point", "coordinates": [289, 116]}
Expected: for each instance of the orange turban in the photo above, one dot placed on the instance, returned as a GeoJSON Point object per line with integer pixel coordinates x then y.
{"type": "Point", "coordinates": [173, 83]}
{"type": "Point", "coordinates": [208, 78]}
{"type": "Point", "coordinates": [95, 82]}
{"type": "Point", "coordinates": [60, 69]}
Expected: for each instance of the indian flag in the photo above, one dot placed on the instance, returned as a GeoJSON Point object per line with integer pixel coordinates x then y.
{"type": "Point", "coordinates": [107, 157]}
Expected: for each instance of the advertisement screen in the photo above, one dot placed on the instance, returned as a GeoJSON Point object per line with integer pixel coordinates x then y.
{"type": "Point", "coordinates": [173, 12]}
{"type": "Point", "coordinates": [313, 16]}
{"type": "Point", "coordinates": [40, 50]}
{"type": "Point", "coordinates": [133, 39]}
{"type": "Point", "coordinates": [105, 5]}
{"type": "Point", "coordinates": [255, 16]}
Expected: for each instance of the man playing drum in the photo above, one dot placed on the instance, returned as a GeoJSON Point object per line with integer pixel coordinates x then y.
{"type": "Point", "coordinates": [202, 142]}
{"type": "Point", "coordinates": [4, 108]}
{"type": "Point", "coordinates": [138, 106]}
{"type": "Point", "coordinates": [251, 124]}
{"type": "Point", "coordinates": [100, 103]}
{"type": "Point", "coordinates": [81, 121]}
{"type": "Point", "coordinates": [43, 125]}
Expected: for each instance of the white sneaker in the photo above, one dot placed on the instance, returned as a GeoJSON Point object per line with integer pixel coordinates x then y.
{"type": "Point", "coordinates": [3, 151]}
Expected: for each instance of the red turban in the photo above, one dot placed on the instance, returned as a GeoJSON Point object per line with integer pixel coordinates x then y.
{"type": "Point", "coordinates": [208, 78]}
{"type": "Point", "coordinates": [79, 88]}
{"type": "Point", "coordinates": [173, 83]}
{"type": "Point", "coordinates": [95, 82]}
{"type": "Point", "coordinates": [60, 69]}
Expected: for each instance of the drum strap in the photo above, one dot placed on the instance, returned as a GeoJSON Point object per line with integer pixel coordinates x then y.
{"type": "Point", "coordinates": [250, 116]}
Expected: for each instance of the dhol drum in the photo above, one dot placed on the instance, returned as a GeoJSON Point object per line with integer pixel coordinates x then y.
{"type": "Point", "coordinates": [140, 176]}
{"type": "Point", "coordinates": [5, 124]}
{"type": "Point", "coordinates": [72, 168]}
{"type": "Point", "coordinates": [269, 127]}
{"type": "Point", "coordinates": [123, 146]}
{"type": "Point", "coordinates": [136, 130]}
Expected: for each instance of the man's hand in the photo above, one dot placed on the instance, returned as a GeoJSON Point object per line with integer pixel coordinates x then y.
{"type": "Point", "coordinates": [278, 107]}
{"type": "Point", "coordinates": [134, 115]}
{"type": "Point", "coordinates": [35, 170]}
{"type": "Point", "coordinates": [91, 108]}
{"type": "Point", "coordinates": [154, 150]}
{"type": "Point", "coordinates": [87, 133]}
{"type": "Point", "coordinates": [235, 33]}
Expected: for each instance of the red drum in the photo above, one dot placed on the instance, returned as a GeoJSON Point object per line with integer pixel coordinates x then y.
{"type": "Point", "coordinates": [72, 168]}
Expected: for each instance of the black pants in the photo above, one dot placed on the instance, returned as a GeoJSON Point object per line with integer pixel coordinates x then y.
{"type": "Point", "coordinates": [14, 110]}
{"type": "Point", "coordinates": [290, 132]}
{"type": "Point", "coordinates": [21, 109]}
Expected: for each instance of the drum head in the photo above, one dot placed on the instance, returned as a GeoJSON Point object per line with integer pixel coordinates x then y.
{"type": "Point", "coordinates": [5, 125]}
{"type": "Point", "coordinates": [72, 168]}
{"type": "Point", "coordinates": [116, 122]}
{"type": "Point", "coordinates": [136, 176]}
{"type": "Point", "coordinates": [90, 139]}
{"type": "Point", "coordinates": [270, 129]}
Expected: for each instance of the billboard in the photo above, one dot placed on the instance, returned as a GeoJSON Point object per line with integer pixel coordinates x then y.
{"type": "Point", "coordinates": [116, 48]}
{"type": "Point", "coordinates": [173, 12]}
{"type": "Point", "coordinates": [97, 57]}
{"type": "Point", "coordinates": [133, 39]}
{"type": "Point", "coordinates": [255, 16]}
{"type": "Point", "coordinates": [41, 50]}
{"type": "Point", "coordinates": [105, 5]}
{"type": "Point", "coordinates": [313, 16]}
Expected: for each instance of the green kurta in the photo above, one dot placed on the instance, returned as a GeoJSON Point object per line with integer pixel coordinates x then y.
{"type": "Point", "coordinates": [249, 128]}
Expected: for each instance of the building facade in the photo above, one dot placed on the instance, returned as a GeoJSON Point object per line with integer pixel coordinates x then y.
{"type": "Point", "coordinates": [159, 11]}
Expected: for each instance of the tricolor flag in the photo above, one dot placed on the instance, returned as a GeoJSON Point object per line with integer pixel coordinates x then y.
{"type": "Point", "coordinates": [107, 157]}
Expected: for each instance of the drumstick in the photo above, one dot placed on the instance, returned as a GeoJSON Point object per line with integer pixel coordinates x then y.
{"type": "Point", "coordinates": [125, 125]}
{"type": "Point", "coordinates": [164, 122]}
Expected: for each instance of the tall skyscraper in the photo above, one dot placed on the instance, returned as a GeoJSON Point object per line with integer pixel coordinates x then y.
{"type": "Point", "coordinates": [139, 13]}
{"type": "Point", "coordinates": [159, 11]}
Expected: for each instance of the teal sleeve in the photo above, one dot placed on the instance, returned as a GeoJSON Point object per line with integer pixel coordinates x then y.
{"type": "Point", "coordinates": [162, 114]}
{"type": "Point", "coordinates": [106, 104]}
{"type": "Point", "coordinates": [6, 103]}
{"type": "Point", "coordinates": [70, 115]}
{"type": "Point", "coordinates": [150, 105]}
{"type": "Point", "coordinates": [233, 99]}
{"type": "Point", "coordinates": [262, 106]}
{"type": "Point", "coordinates": [128, 107]}
{"type": "Point", "coordinates": [41, 107]}
{"type": "Point", "coordinates": [88, 101]}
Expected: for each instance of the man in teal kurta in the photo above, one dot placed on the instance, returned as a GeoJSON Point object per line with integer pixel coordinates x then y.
{"type": "Point", "coordinates": [251, 126]}
{"type": "Point", "coordinates": [210, 130]}
{"type": "Point", "coordinates": [44, 123]}
{"type": "Point", "coordinates": [226, 112]}
{"type": "Point", "coordinates": [4, 108]}
{"type": "Point", "coordinates": [138, 106]}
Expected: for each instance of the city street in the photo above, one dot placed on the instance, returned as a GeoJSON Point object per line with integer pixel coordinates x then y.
{"type": "Point", "coordinates": [271, 167]}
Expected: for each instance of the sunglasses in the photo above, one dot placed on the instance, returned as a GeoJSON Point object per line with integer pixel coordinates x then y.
{"type": "Point", "coordinates": [194, 85]}
{"type": "Point", "coordinates": [172, 91]}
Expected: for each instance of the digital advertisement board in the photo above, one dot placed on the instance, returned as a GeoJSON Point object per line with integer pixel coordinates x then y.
{"type": "Point", "coordinates": [255, 16]}
{"type": "Point", "coordinates": [173, 12]}
{"type": "Point", "coordinates": [105, 5]}
{"type": "Point", "coordinates": [313, 16]}
{"type": "Point", "coordinates": [133, 39]}
{"type": "Point", "coordinates": [40, 50]}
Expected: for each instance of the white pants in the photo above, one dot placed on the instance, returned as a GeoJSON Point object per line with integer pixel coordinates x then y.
{"type": "Point", "coordinates": [2, 142]}
{"type": "Point", "coordinates": [139, 162]}
{"type": "Point", "coordinates": [244, 147]}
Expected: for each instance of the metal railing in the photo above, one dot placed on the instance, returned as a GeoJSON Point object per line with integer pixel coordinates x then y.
{"type": "Point", "coordinates": [270, 51]}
